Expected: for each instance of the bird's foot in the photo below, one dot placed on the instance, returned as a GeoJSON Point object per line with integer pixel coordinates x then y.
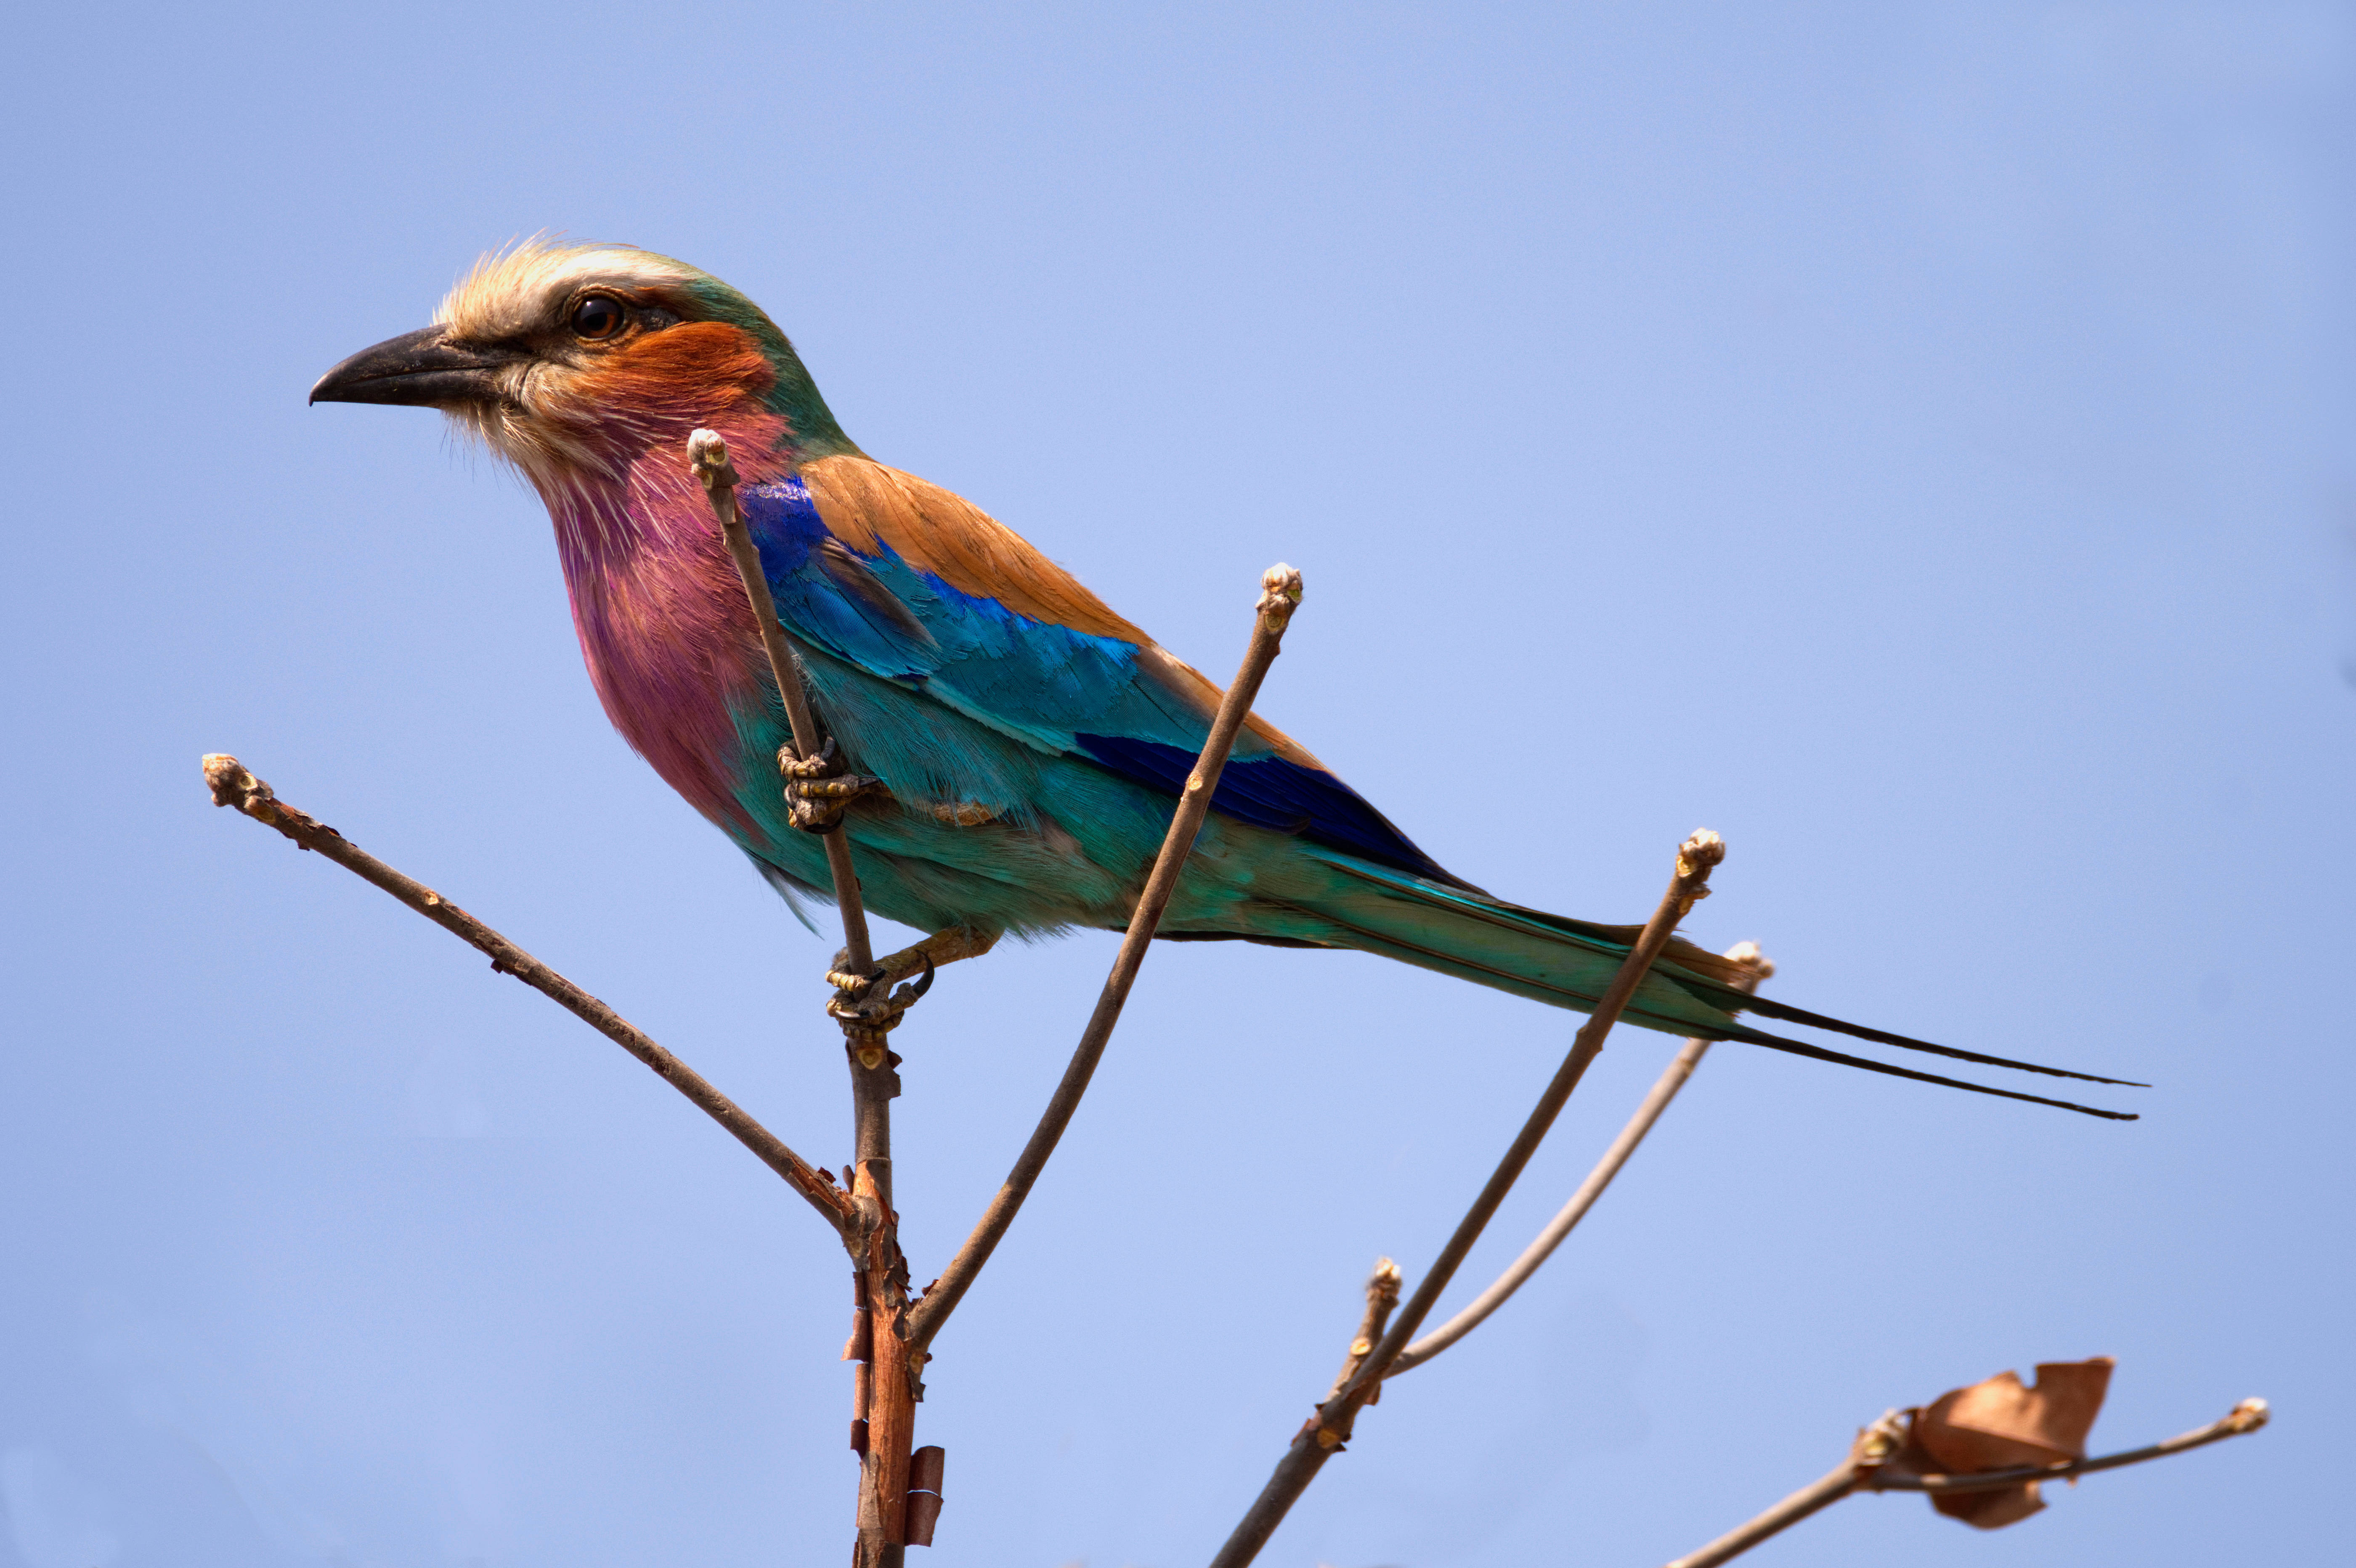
{"type": "Point", "coordinates": [941, 947]}
{"type": "Point", "coordinates": [868, 1007]}
{"type": "Point", "coordinates": [817, 789]}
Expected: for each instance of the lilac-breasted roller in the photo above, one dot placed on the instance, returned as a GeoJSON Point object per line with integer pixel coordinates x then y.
{"type": "Point", "coordinates": [1030, 742]}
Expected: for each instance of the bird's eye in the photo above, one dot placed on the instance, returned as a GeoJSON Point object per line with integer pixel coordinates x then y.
{"type": "Point", "coordinates": [597, 317]}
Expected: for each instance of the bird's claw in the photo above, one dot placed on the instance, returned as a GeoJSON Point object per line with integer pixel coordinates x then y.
{"type": "Point", "coordinates": [868, 1008]}
{"type": "Point", "coordinates": [817, 789]}
{"type": "Point", "coordinates": [849, 987]}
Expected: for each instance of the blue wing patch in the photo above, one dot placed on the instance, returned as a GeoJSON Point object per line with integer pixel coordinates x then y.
{"type": "Point", "coordinates": [1065, 691]}
{"type": "Point", "coordinates": [1269, 791]}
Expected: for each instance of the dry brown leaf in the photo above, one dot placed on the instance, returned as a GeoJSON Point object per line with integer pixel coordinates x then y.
{"type": "Point", "coordinates": [2002, 1423]}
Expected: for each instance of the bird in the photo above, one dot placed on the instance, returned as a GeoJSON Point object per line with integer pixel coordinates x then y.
{"type": "Point", "coordinates": [1017, 746]}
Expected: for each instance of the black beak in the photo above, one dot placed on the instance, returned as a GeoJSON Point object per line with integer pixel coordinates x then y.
{"type": "Point", "coordinates": [422, 368]}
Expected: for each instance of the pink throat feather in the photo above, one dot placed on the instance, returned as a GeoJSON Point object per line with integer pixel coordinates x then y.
{"type": "Point", "coordinates": [664, 627]}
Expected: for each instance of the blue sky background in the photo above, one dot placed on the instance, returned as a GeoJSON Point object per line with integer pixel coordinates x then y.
{"type": "Point", "coordinates": [1914, 441]}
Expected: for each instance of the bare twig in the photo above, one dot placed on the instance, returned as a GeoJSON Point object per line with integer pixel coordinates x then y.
{"type": "Point", "coordinates": [1673, 1078]}
{"type": "Point", "coordinates": [1322, 1435]}
{"type": "Point", "coordinates": [1808, 1499]}
{"type": "Point", "coordinates": [231, 785]}
{"type": "Point", "coordinates": [1875, 1446]}
{"type": "Point", "coordinates": [1280, 595]}
{"type": "Point", "coordinates": [1868, 1469]}
{"type": "Point", "coordinates": [708, 456]}
{"type": "Point", "coordinates": [1382, 1300]}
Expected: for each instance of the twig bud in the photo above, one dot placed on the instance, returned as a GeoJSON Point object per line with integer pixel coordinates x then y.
{"type": "Point", "coordinates": [1280, 595]}
{"type": "Point", "coordinates": [1701, 854]}
{"type": "Point", "coordinates": [707, 455]}
{"type": "Point", "coordinates": [229, 782]}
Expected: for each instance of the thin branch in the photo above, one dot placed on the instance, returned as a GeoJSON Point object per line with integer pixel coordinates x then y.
{"type": "Point", "coordinates": [2243, 1418]}
{"type": "Point", "coordinates": [1382, 1300]}
{"type": "Point", "coordinates": [1280, 595]}
{"type": "Point", "coordinates": [1870, 1468]}
{"type": "Point", "coordinates": [1807, 1501]}
{"type": "Point", "coordinates": [1322, 1434]}
{"type": "Point", "coordinates": [231, 785]}
{"type": "Point", "coordinates": [708, 456]}
{"type": "Point", "coordinates": [1875, 1446]}
{"type": "Point", "coordinates": [1673, 1078]}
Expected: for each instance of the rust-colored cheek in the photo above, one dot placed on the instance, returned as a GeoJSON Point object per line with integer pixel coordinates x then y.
{"type": "Point", "coordinates": [695, 371]}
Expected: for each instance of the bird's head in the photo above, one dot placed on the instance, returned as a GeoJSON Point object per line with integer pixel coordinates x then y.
{"type": "Point", "coordinates": [572, 361]}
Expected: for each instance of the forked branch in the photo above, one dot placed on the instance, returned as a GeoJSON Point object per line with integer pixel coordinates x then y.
{"type": "Point", "coordinates": [1323, 1433]}
{"type": "Point", "coordinates": [233, 785]}
{"type": "Point", "coordinates": [1756, 969]}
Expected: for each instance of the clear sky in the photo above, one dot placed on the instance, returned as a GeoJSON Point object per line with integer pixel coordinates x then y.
{"type": "Point", "coordinates": [1914, 441]}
